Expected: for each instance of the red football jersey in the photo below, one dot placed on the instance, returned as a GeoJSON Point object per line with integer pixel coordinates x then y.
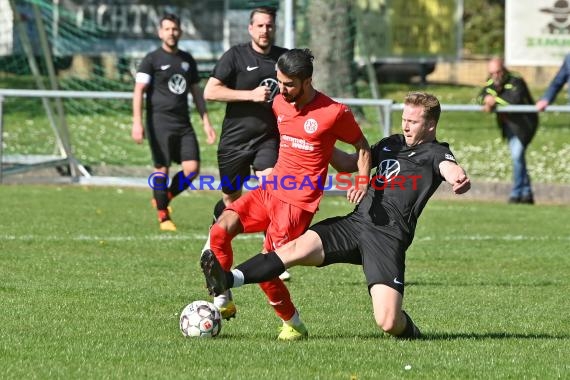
{"type": "Point", "coordinates": [307, 140]}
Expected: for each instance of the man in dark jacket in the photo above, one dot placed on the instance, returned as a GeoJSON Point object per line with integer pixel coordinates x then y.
{"type": "Point", "coordinates": [504, 88]}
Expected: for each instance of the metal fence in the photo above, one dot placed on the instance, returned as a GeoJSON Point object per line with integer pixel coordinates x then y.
{"type": "Point", "coordinates": [21, 163]}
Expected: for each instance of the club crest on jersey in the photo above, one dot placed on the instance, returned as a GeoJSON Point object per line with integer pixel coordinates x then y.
{"type": "Point", "coordinates": [273, 88]}
{"type": "Point", "coordinates": [387, 170]}
{"type": "Point", "coordinates": [310, 126]}
{"type": "Point", "coordinates": [185, 66]}
{"type": "Point", "coordinates": [177, 84]}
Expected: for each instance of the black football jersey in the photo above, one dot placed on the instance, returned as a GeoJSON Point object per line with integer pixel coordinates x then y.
{"type": "Point", "coordinates": [403, 181]}
{"type": "Point", "coordinates": [171, 74]}
{"type": "Point", "coordinates": [242, 68]}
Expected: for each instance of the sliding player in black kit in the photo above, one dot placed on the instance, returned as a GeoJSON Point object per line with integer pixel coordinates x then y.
{"type": "Point", "coordinates": [409, 169]}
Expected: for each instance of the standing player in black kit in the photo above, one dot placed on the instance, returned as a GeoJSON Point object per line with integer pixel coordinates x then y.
{"type": "Point", "coordinates": [245, 78]}
{"type": "Point", "coordinates": [167, 75]}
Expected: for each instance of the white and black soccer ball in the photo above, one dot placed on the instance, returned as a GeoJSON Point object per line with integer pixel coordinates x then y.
{"type": "Point", "coordinates": [200, 319]}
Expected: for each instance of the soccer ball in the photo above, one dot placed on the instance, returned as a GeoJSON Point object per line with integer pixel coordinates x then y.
{"type": "Point", "coordinates": [200, 319]}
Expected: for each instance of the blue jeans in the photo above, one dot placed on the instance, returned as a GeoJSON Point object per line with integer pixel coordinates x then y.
{"type": "Point", "coordinates": [521, 179]}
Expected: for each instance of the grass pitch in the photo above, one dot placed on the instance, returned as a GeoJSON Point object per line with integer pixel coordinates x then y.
{"type": "Point", "coordinates": [90, 288]}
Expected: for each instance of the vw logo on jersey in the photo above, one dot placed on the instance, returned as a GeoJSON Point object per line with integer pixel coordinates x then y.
{"type": "Point", "coordinates": [177, 84]}
{"type": "Point", "coordinates": [310, 126]}
{"type": "Point", "coordinates": [386, 170]}
{"type": "Point", "coordinates": [273, 87]}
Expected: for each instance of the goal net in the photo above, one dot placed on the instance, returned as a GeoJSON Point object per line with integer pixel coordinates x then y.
{"type": "Point", "coordinates": [86, 47]}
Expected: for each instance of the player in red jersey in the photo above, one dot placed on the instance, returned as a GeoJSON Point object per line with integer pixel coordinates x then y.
{"type": "Point", "coordinates": [285, 202]}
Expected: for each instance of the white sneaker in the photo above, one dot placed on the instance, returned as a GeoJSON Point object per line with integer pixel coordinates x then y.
{"type": "Point", "coordinates": [225, 303]}
{"type": "Point", "coordinates": [285, 276]}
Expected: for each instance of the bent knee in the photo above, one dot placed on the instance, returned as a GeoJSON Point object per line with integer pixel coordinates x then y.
{"type": "Point", "coordinates": [388, 326]}
{"type": "Point", "coordinates": [389, 322]}
{"type": "Point", "coordinates": [229, 221]}
{"type": "Point", "coordinates": [192, 172]}
{"type": "Point", "coordinates": [191, 168]}
{"type": "Point", "coordinates": [387, 303]}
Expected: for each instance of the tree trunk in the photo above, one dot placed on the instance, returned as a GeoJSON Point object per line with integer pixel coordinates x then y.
{"type": "Point", "coordinates": [333, 34]}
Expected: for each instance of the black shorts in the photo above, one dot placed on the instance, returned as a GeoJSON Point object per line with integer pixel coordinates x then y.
{"type": "Point", "coordinates": [348, 240]}
{"type": "Point", "coordinates": [235, 165]}
{"type": "Point", "coordinates": [173, 144]}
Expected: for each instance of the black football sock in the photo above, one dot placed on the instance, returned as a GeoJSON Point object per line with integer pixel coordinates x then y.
{"type": "Point", "coordinates": [159, 192]}
{"type": "Point", "coordinates": [229, 279]}
{"type": "Point", "coordinates": [180, 183]}
{"type": "Point", "coordinates": [218, 209]}
{"type": "Point", "coordinates": [261, 267]}
{"type": "Point", "coordinates": [411, 331]}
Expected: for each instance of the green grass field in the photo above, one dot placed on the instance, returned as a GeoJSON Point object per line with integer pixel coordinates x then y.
{"type": "Point", "coordinates": [90, 288]}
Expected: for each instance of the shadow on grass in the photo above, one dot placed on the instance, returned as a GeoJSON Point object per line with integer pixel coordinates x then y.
{"type": "Point", "coordinates": [497, 335]}
{"type": "Point", "coordinates": [426, 337]}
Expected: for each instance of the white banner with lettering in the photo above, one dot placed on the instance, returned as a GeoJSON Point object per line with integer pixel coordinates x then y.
{"type": "Point", "coordinates": [537, 32]}
{"type": "Point", "coordinates": [6, 28]}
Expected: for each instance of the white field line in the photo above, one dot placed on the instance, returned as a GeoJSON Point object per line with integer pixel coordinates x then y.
{"type": "Point", "coordinates": [162, 237]}
{"type": "Point", "coordinates": [185, 237]}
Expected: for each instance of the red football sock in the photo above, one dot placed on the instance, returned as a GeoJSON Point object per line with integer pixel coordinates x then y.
{"type": "Point", "coordinates": [221, 245]}
{"type": "Point", "coordinates": [279, 297]}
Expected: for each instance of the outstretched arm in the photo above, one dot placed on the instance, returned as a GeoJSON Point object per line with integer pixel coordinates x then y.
{"type": "Point", "coordinates": [555, 86]}
{"type": "Point", "coordinates": [455, 176]}
{"type": "Point", "coordinates": [356, 193]}
{"type": "Point", "coordinates": [344, 162]}
{"type": "Point", "coordinates": [216, 90]}
{"type": "Point", "coordinates": [350, 162]}
{"type": "Point", "coordinates": [360, 161]}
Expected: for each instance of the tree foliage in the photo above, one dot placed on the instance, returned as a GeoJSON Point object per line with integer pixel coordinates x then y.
{"type": "Point", "coordinates": [484, 27]}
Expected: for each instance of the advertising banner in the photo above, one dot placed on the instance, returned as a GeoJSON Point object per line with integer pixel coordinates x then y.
{"type": "Point", "coordinates": [129, 27]}
{"type": "Point", "coordinates": [6, 28]}
{"type": "Point", "coordinates": [537, 32]}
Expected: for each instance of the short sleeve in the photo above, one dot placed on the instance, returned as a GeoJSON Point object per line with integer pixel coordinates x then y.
{"type": "Point", "coordinates": [375, 150]}
{"type": "Point", "coordinates": [346, 127]}
{"type": "Point", "coordinates": [442, 153]}
{"type": "Point", "coordinates": [224, 70]}
{"type": "Point", "coordinates": [146, 65]}
{"type": "Point", "coordinates": [194, 70]}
